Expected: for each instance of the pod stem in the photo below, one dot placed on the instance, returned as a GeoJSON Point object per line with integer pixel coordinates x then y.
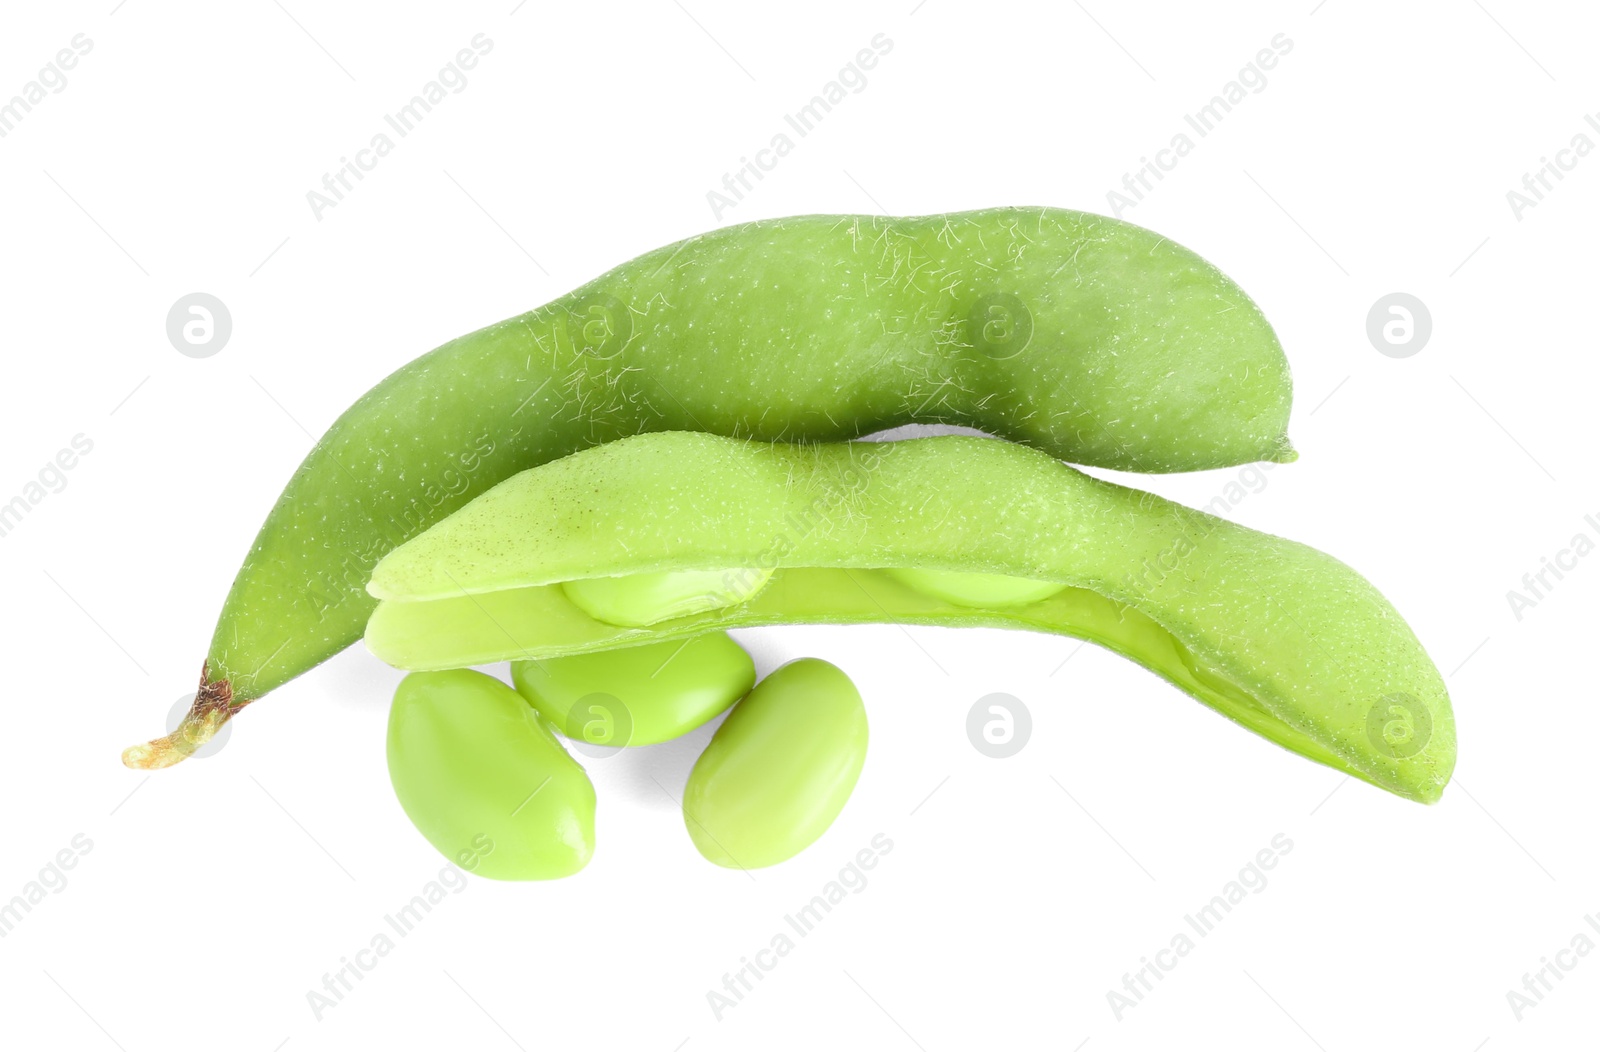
{"type": "Point", "coordinates": [213, 706]}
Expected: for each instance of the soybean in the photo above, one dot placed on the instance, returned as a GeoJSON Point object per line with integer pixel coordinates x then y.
{"type": "Point", "coordinates": [779, 769]}
{"type": "Point", "coordinates": [638, 695]}
{"type": "Point", "coordinates": [995, 591]}
{"type": "Point", "coordinates": [1091, 339]}
{"type": "Point", "coordinates": [1283, 639]}
{"type": "Point", "coordinates": [485, 781]}
{"type": "Point", "coordinates": [645, 598]}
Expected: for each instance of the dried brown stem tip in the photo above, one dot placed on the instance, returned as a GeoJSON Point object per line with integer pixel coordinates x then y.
{"type": "Point", "coordinates": [213, 706]}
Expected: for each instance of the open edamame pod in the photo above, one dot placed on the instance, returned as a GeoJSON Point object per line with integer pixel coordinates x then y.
{"type": "Point", "coordinates": [1091, 339]}
{"type": "Point", "coordinates": [1277, 636]}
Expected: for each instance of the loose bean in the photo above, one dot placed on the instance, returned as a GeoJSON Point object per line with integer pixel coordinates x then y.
{"type": "Point", "coordinates": [639, 695]}
{"type": "Point", "coordinates": [485, 781]}
{"type": "Point", "coordinates": [779, 769]}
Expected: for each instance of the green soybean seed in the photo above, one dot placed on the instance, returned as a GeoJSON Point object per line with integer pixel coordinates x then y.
{"type": "Point", "coordinates": [485, 781]}
{"type": "Point", "coordinates": [644, 599]}
{"type": "Point", "coordinates": [779, 769]}
{"type": "Point", "coordinates": [1285, 640]}
{"type": "Point", "coordinates": [1091, 339]}
{"type": "Point", "coordinates": [638, 695]}
{"type": "Point", "coordinates": [992, 590]}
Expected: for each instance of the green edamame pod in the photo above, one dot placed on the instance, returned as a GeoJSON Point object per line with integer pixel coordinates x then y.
{"type": "Point", "coordinates": [1282, 638]}
{"type": "Point", "coordinates": [485, 781]}
{"type": "Point", "coordinates": [638, 695]}
{"type": "Point", "coordinates": [1091, 339]}
{"type": "Point", "coordinates": [779, 769]}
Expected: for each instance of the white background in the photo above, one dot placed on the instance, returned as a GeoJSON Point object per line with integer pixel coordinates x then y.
{"type": "Point", "coordinates": [1376, 159]}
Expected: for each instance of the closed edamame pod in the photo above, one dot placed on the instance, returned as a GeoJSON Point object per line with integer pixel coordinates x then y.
{"type": "Point", "coordinates": [1089, 338]}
